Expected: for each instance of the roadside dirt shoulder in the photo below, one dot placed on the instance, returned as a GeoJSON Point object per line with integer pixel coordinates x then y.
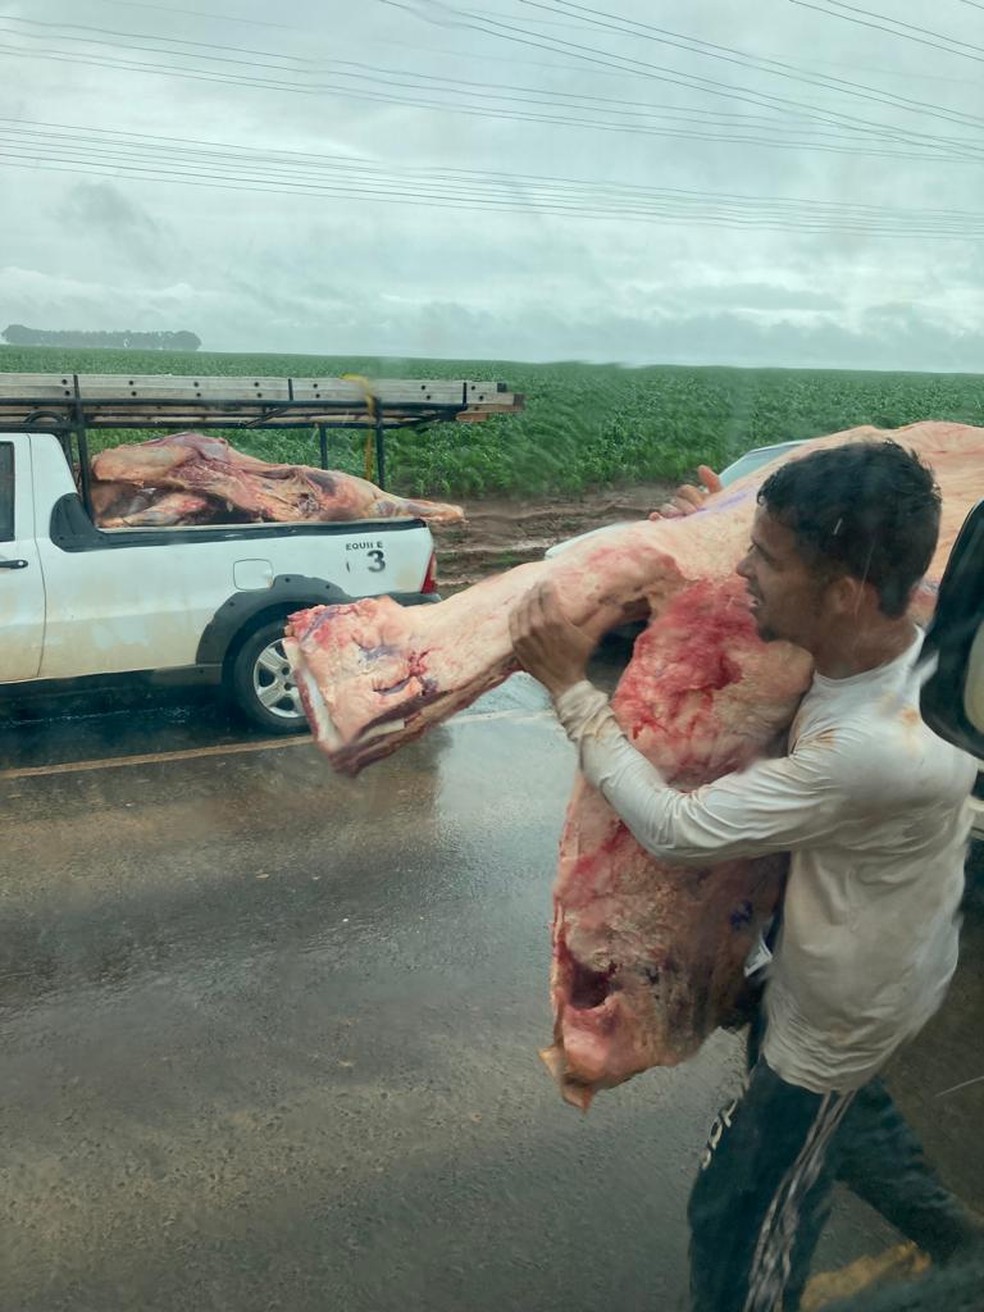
{"type": "Point", "coordinates": [501, 533]}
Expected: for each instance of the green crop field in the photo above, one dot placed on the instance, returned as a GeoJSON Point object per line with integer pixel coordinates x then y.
{"type": "Point", "coordinates": [585, 426]}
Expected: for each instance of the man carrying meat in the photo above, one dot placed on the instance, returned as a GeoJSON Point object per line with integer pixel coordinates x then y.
{"type": "Point", "coordinates": [872, 807]}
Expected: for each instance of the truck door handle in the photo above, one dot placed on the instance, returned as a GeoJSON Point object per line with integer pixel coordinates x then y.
{"type": "Point", "coordinates": [13, 564]}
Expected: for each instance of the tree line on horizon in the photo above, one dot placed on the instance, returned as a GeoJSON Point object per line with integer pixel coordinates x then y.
{"type": "Point", "coordinates": [16, 334]}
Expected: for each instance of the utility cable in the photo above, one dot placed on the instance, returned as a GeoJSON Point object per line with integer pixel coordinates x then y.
{"type": "Point", "coordinates": [172, 146]}
{"type": "Point", "coordinates": [925, 151]}
{"type": "Point", "coordinates": [910, 136]}
{"type": "Point", "coordinates": [721, 212]}
{"type": "Point", "coordinates": [729, 54]}
{"type": "Point", "coordinates": [894, 31]}
{"type": "Point", "coordinates": [512, 33]}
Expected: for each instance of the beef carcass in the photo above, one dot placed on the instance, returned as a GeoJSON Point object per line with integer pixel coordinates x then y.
{"type": "Point", "coordinates": [647, 956]}
{"type": "Point", "coordinates": [121, 505]}
{"type": "Point", "coordinates": [233, 486]}
{"type": "Point", "coordinates": [153, 509]}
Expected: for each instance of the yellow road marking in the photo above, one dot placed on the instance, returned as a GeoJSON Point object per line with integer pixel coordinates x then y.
{"type": "Point", "coordinates": [227, 749]}
{"type": "Point", "coordinates": [153, 758]}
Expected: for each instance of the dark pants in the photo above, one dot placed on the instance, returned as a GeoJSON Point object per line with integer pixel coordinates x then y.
{"type": "Point", "coordinates": [763, 1191]}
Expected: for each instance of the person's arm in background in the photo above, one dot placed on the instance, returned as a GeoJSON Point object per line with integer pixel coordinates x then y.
{"type": "Point", "coordinates": [689, 498]}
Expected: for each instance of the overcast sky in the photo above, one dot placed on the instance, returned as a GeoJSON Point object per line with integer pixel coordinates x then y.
{"type": "Point", "coordinates": [635, 180]}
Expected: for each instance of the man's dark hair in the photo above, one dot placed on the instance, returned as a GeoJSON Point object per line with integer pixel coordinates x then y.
{"type": "Point", "coordinates": [867, 509]}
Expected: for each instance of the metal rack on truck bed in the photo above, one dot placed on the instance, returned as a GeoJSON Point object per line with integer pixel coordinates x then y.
{"type": "Point", "coordinates": [70, 404]}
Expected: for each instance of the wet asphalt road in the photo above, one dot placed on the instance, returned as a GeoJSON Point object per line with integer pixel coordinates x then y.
{"type": "Point", "coordinates": [269, 1036]}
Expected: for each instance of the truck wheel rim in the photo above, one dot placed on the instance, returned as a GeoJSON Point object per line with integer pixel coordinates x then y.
{"type": "Point", "coordinates": [273, 683]}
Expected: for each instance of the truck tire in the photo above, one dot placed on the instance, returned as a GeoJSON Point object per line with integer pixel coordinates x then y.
{"type": "Point", "coordinates": [261, 683]}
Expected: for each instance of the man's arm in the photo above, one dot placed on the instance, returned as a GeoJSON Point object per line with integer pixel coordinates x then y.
{"type": "Point", "coordinates": [773, 806]}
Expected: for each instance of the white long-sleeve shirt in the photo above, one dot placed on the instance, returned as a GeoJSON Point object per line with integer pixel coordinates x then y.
{"type": "Point", "coordinates": [872, 806]}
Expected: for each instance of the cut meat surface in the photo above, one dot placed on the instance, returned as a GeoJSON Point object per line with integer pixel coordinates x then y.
{"type": "Point", "coordinates": [159, 510]}
{"type": "Point", "coordinates": [131, 482]}
{"type": "Point", "coordinates": [374, 674]}
{"type": "Point", "coordinates": [647, 956]}
{"type": "Point", "coordinates": [666, 944]}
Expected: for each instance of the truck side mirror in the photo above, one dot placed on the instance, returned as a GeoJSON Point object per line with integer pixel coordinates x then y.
{"type": "Point", "coordinates": [952, 699]}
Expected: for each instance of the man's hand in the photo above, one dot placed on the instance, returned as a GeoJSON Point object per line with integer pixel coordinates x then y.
{"type": "Point", "coordinates": [688, 498]}
{"type": "Point", "coordinates": [548, 645]}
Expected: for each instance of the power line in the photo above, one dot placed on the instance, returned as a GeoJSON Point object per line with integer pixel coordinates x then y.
{"type": "Point", "coordinates": [703, 218]}
{"type": "Point", "coordinates": [888, 98]}
{"type": "Point", "coordinates": [699, 136]}
{"type": "Point", "coordinates": [696, 45]}
{"type": "Point", "coordinates": [905, 136]}
{"type": "Point", "coordinates": [917, 140]}
{"type": "Point", "coordinates": [168, 40]}
{"type": "Point", "coordinates": [691, 44]}
{"type": "Point", "coordinates": [210, 151]}
{"type": "Point", "coordinates": [509, 32]}
{"type": "Point", "coordinates": [202, 13]}
{"type": "Point", "coordinates": [911, 27]}
{"type": "Point", "coordinates": [285, 27]}
{"type": "Point", "coordinates": [172, 145]}
{"type": "Point", "coordinates": [728, 54]}
{"type": "Point", "coordinates": [637, 111]}
{"type": "Point", "coordinates": [894, 31]}
{"type": "Point", "coordinates": [924, 151]}
{"type": "Point", "coordinates": [371, 71]}
{"type": "Point", "coordinates": [488, 193]}
{"type": "Point", "coordinates": [496, 90]}
{"type": "Point", "coordinates": [908, 74]}
{"type": "Point", "coordinates": [385, 77]}
{"type": "Point", "coordinates": [375, 73]}
{"type": "Point", "coordinates": [197, 75]}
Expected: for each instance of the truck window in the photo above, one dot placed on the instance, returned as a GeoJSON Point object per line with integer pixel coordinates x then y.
{"type": "Point", "coordinates": [6, 491]}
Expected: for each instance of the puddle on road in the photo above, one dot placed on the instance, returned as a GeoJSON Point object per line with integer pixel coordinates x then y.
{"type": "Point", "coordinates": [43, 731]}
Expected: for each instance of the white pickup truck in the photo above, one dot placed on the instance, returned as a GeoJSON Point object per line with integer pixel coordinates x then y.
{"type": "Point", "coordinates": [207, 602]}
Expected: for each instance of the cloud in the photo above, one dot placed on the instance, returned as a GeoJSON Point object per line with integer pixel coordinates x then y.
{"type": "Point", "coordinates": [100, 205]}
{"type": "Point", "coordinates": [756, 296]}
{"type": "Point", "coordinates": [346, 318]}
{"type": "Point", "coordinates": [41, 300]}
{"type": "Point", "coordinates": [792, 253]}
{"type": "Point", "coordinates": [105, 215]}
